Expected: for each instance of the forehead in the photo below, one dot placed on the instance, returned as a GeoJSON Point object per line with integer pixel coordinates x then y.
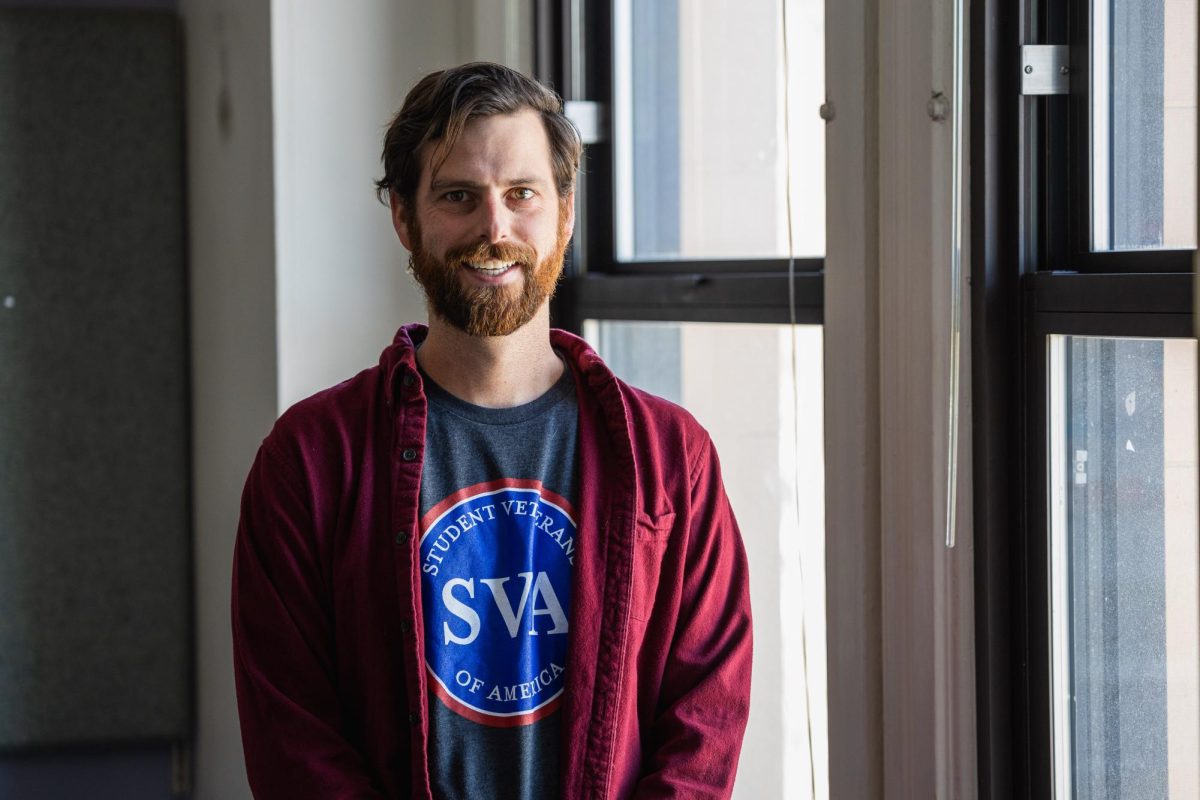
{"type": "Point", "coordinates": [495, 149]}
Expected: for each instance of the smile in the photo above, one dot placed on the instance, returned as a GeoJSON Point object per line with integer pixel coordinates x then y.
{"type": "Point", "coordinates": [491, 268]}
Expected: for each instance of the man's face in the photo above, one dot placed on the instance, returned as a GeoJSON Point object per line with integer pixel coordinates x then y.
{"type": "Point", "coordinates": [488, 231]}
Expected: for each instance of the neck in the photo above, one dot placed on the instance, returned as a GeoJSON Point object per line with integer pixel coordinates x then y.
{"type": "Point", "coordinates": [492, 371]}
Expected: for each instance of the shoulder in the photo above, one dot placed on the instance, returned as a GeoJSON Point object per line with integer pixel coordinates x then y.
{"type": "Point", "coordinates": [665, 431]}
{"type": "Point", "coordinates": [325, 430]}
{"type": "Point", "coordinates": [663, 434]}
{"type": "Point", "coordinates": [663, 415]}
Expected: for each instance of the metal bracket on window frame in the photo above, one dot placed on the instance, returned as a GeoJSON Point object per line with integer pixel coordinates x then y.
{"type": "Point", "coordinates": [590, 119]}
{"type": "Point", "coordinates": [1045, 69]}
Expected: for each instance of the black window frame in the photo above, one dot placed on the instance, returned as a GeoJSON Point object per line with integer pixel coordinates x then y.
{"type": "Point", "coordinates": [573, 54]}
{"type": "Point", "coordinates": [1033, 276]}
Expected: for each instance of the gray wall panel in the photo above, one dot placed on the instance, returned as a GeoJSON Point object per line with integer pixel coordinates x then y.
{"type": "Point", "coordinates": [94, 518]}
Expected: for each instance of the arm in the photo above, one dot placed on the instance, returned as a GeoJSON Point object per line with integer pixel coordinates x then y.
{"type": "Point", "coordinates": [693, 746]}
{"type": "Point", "coordinates": [283, 648]}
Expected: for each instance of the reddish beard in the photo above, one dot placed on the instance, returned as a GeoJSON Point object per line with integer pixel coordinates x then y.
{"type": "Point", "coordinates": [487, 310]}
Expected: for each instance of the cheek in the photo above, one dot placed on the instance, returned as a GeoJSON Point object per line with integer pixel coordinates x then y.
{"type": "Point", "coordinates": [543, 234]}
{"type": "Point", "coordinates": [438, 245]}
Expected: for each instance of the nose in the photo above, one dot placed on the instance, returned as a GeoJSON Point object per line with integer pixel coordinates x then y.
{"type": "Point", "coordinates": [497, 220]}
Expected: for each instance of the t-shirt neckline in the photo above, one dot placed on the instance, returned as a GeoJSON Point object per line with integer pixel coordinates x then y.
{"type": "Point", "coordinates": [563, 390]}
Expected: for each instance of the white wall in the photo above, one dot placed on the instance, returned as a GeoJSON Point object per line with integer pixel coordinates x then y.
{"type": "Point", "coordinates": [341, 70]}
{"type": "Point", "coordinates": [232, 258]}
{"type": "Point", "coordinates": [900, 604]}
{"type": "Point", "coordinates": [297, 279]}
{"type": "Point", "coordinates": [500, 31]}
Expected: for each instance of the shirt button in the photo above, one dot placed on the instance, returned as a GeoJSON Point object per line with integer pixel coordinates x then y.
{"type": "Point", "coordinates": [405, 625]}
{"type": "Point", "coordinates": [414, 718]}
{"type": "Point", "coordinates": [409, 380]}
{"type": "Point", "coordinates": [402, 537]}
{"type": "Point", "coordinates": [409, 454]}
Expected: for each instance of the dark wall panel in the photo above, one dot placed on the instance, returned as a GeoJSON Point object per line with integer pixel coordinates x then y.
{"type": "Point", "coordinates": [94, 519]}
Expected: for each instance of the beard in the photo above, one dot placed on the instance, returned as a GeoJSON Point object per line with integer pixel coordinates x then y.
{"type": "Point", "coordinates": [488, 310]}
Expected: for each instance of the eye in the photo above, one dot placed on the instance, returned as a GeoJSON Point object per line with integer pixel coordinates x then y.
{"type": "Point", "coordinates": [455, 196]}
{"type": "Point", "coordinates": [523, 193]}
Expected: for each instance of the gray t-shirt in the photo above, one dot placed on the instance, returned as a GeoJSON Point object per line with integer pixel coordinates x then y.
{"type": "Point", "coordinates": [498, 530]}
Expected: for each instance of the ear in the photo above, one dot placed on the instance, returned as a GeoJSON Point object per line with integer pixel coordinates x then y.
{"type": "Point", "coordinates": [400, 219]}
{"type": "Point", "coordinates": [570, 200]}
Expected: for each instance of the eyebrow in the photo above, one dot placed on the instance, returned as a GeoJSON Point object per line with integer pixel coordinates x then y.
{"type": "Point", "coordinates": [448, 183]}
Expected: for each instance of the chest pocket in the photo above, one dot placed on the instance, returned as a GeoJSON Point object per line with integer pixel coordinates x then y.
{"type": "Point", "coordinates": [653, 533]}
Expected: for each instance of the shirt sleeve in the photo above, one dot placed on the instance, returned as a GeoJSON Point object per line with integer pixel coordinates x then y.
{"type": "Point", "coordinates": [694, 743]}
{"type": "Point", "coordinates": [292, 731]}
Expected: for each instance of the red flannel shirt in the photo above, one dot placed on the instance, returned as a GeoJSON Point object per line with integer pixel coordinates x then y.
{"type": "Point", "coordinates": [327, 631]}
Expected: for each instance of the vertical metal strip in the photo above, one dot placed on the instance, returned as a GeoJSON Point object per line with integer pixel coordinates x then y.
{"type": "Point", "coordinates": [787, 160]}
{"type": "Point", "coordinates": [1056, 557]}
{"type": "Point", "coordinates": [956, 194]}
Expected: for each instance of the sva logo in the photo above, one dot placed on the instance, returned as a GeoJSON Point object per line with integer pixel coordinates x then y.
{"type": "Point", "coordinates": [496, 561]}
{"type": "Point", "coordinates": [542, 590]}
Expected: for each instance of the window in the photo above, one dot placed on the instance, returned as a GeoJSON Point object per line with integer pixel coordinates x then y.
{"type": "Point", "coordinates": [1125, 580]}
{"type": "Point", "coordinates": [692, 180]}
{"type": "Point", "coordinates": [1143, 124]}
{"type": "Point", "coordinates": [682, 210]}
{"type": "Point", "coordinates": [692, 279]}
{"type": "Point", "coordinates": [757, 390]}
{"type": "Point", "coordinates": [1085, 393]}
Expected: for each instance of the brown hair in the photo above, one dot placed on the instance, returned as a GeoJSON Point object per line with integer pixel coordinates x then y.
{"type": "Point", "coordinates": [442, 103]}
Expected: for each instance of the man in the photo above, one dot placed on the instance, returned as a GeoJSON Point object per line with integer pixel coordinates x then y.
{"type": "Point", "coordinates": [487, 567]}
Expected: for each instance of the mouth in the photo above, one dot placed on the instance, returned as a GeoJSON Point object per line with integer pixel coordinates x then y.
{"type": "Point", "coordinates": [491, 269]}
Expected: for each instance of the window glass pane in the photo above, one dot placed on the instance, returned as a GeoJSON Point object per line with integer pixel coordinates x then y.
{"type": "Point", "coordinates": [1125, 567]}
{"type": "Point", "coordinates": [701, 170]}
{"type": "Point", "coordinates": [737, 380]}
{"type": "Point", "coordinates": [1143, 97]}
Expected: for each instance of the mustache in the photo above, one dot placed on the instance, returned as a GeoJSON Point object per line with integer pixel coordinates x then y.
{"type": "Point", "coordinates": [498, 251]}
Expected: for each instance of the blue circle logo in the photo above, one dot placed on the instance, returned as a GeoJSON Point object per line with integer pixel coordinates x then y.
{"type": "Point", "coordinates": [496, 564]}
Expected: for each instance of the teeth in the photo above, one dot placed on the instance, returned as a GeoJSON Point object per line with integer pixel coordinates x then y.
{"type": "Point", "coordinates": [491, 267]}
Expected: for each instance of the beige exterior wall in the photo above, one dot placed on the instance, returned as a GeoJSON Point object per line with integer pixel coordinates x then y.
{"type": "Point", "coordinates": [734, 166]}
{"type": "Point", "coordinates": [738, 381]}
{"type": "Point", "coordinates": [1179, 124]}
{"type": "Point", "coordinates": [1181, 479]}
